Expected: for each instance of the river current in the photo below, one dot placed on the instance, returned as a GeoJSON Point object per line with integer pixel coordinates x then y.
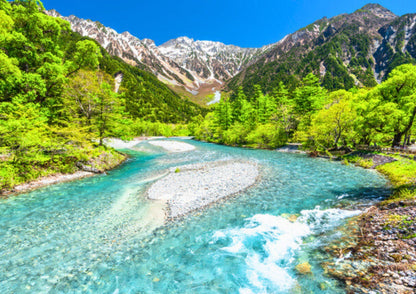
{"type": "Point", "coordinates": [101, 234]}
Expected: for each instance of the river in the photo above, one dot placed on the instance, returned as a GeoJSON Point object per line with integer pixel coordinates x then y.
{"type": "Point", "coordinates": [101, 235]}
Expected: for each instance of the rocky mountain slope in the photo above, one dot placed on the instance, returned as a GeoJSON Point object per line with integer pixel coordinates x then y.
{"type": "Point", "coordinates": [178, 62]}
{"type": "Point", "coordinates": [209, 60]}
{"type": "Point", "coordinates": [360, 48]}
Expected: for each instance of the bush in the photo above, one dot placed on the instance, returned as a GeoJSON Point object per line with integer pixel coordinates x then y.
{"type": "Point", "coordinates": [236, 135]}
{"type": "Point", "coordinates": [267, 136]}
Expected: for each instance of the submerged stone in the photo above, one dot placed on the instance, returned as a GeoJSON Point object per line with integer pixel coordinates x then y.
{"type": "Point", "coordinates": [304, 268]}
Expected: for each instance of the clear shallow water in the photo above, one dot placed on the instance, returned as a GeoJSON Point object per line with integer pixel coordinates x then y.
{"type": "Point", "coordinates": [100, 234]}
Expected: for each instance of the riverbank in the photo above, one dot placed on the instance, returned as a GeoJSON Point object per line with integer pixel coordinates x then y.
{"type": "Point", "coordinates": [91, 162]}
{"type": "Point", "coordinates": [192, 187]}
{"type": "Point", "coordinates": [98, 161]}
{"type": "Point", "coordinates": [379, 253]}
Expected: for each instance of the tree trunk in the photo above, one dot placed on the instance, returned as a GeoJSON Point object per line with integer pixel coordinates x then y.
{"type": "Point", "coordinates": [397, 139]}
{"type": "Point", "coordinates": [398, 135]}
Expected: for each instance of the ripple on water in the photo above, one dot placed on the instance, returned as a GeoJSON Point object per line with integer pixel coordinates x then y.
{"type": "Point", "coordinates": [97, 234]}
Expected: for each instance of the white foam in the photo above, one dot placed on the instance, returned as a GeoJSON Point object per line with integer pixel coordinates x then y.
{"type": "Point", "coordinates": [269, 267]}
{"type": "Point", "coordinates": [321, 220]}
{"type": "Point", "coordinates": [343, 196]}
{"type": "Point", "coordinates": [281, 237]}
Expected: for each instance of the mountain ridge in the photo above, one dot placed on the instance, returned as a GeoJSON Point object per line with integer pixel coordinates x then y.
{"type": "Point", "coordinates": [347, 50]}
{"type": "Point", "coordinates": [182, 62]}
{"type": "Point", "coordinates": [355, 49]}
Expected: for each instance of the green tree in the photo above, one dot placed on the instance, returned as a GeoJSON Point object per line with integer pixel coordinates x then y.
{"type": "Point", "coordinates": [284, 114]}
{"type": "Point", "coordinates": [223, 113]}
{"type": "Point", "coordinates": [87, 55]}
{"type": "Point", "coordinates": [108, 111]}
{"type": "Point", "coordinates": [237, 104]}
{"type": "Point", "coordinates": [398, 96]}
{"type": "Point", "coordinates": [333, 126]}
{"type": "Point", "coordinates": [310, 96]}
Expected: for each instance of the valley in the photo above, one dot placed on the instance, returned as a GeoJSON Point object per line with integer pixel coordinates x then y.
{"type": "Point", "coordinates": [187, 166]}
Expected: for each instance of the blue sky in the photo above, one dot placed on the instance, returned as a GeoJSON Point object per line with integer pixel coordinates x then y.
{"type": "Point", "coordinates": [239, 22]}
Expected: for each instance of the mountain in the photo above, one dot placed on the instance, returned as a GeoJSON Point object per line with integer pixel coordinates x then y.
{"type": "Point", "coordinates": [209, 60]}
{"type": "Point", "coordinates": [145, 96]}
{"type": "Point", "coordinates": [360, 48]}
{"type": "Point", "coordinates": [181, 62]}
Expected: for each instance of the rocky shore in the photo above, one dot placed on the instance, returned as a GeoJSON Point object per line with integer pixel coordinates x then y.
{"type": "Point", "coordinates": [48, 180]}
{"type": "Point", "coordinates": [191, 187]}
{"type": "Point", "coordinates": [378, 251]}
{"type": "Point", "coordinates": [377, 256]}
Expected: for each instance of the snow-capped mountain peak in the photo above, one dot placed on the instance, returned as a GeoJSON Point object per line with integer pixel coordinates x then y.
{"type": "Point", "coordinates": [181, 61]}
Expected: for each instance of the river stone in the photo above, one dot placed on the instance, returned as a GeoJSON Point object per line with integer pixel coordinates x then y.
{"type": "Point", "coordinates": [304, 268]}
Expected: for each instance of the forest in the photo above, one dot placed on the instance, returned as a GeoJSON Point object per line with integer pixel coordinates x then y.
{"type": "Point", "coordinates": [58, 98]}
{"type": "Point", "coordinates": [319, 119]}
{"type": "Point", "coordinates": [58, 101]}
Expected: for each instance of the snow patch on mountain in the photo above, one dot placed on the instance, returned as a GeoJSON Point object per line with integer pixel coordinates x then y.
{"type": "Point", "coordinates": [181, 62]}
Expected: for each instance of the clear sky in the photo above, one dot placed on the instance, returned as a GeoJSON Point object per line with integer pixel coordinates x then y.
{"type": "Point", "coordinates": [240, 22]}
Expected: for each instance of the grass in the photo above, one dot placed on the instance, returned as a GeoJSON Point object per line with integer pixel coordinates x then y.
{"type": "Point", "coordinates": [401, 172]}
{"type": "Point", "coordinates": [402, 222]}
{"type": "Point", "coordinates": [357, 160]}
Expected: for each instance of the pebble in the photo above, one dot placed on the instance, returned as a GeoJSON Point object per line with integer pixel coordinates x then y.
{"type": "Point", "coordinates": [198, 185]}
{"type": "Point", "coordinates": [382, 250]}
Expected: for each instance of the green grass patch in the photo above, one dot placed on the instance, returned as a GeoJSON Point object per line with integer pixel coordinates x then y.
{"type": "Point", "coordinates": [403, 193]}
{"type": "Point", "coordinates": [359, 161]}
{"type": "Point", "coordinates": [401, 172]}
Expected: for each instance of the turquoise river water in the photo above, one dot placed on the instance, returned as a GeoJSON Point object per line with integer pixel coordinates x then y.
{"type": "Point", "coordinates": [101, 234]}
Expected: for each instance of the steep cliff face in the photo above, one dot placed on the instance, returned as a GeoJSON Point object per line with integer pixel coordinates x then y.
{"type": "Point", "coordinates": [209, 59]}
{"type": "Point", "coordinates": [346, 50]}
{"type": "Point", "coordinates": [398, 45]}
{"type": "Point", "coordinates": [143, 53]}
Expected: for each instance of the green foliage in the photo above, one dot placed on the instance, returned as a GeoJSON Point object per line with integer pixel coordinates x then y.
{"type": "Point", "coordinates": [236, 135]}
{"type": "Point", "coordinates": [309, 97]}
{"type": "Point", "coordinates": [387, 112]}
{"type": "Point", "coordinates": [146, 97]}
{"type": "Point", "coordinates": [333, 126]}
{"type": "Point", "coordinates": [401, 172]}
{"type": "Point", "coordinates": [340, 55]}
{"type": "Point", "coordinates": [56, 105]}
{"type": "Point", "coordinates": [256, 120]}
{"type": "Point", "coordinates": [266, 136]}
{"type": "Point", "coordinates": [321, 121]}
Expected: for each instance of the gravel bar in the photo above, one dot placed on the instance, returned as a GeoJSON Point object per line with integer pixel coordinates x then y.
{"type": "Point", "coordinates": [173, 146]}
{"type": "Point", "coordinates": [191, 187]}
